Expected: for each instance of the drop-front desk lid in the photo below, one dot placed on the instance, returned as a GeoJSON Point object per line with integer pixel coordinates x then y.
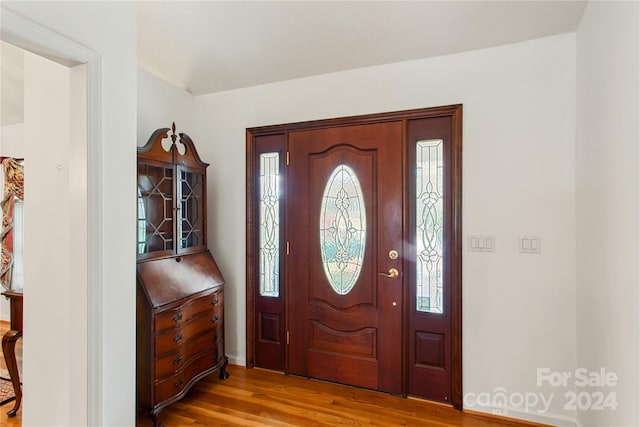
{"type": "Point", "coordinates": [169, 279]}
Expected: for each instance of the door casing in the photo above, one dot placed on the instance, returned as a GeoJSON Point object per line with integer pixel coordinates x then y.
{"type": "Point", "coordinates": [275, 137]}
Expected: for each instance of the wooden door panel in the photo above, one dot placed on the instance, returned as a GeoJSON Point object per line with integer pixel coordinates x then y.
{"type": "Point", "coordinates": [321, 166]}
{"type": "Point", "coordinates": [430, 350]}
{"type": "Point", "coordinates": [359, 343]}
{"type": "Point", "coordinates": [334, 336]}
{"type": "Point", "coordinates": [356, 371]}
{"type": "Point", "coordinates": [339, 320]}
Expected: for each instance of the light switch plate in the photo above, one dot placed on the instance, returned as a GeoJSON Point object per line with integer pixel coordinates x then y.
{"type": "Point", "coordinates": [480, 243]}
{"type": "Point", "coordinates": [530, 244]}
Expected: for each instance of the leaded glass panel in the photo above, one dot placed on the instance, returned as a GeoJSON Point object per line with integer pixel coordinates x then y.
{"type": "Point", "coordinates": [429, 225]}
{"type": "Point", "coordinates": [191, 209]}
{"type": "Point", "coordinates": [155, 209]}
{"type": "Point", "coordinates": [269, 225]}
{"type": "Point", "coordinates": [142, 224]}
{"type": "Point", "coordinates": [343, 226]}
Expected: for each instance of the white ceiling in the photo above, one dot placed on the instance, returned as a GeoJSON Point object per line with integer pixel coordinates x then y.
{"type": "Point", "coordinates": [211, 46]}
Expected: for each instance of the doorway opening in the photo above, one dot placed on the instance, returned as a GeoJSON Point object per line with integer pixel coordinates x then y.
{"type": "Point", "coordinates": [57, 119]}
{"type": "Point", "coordinates": [354, 251]}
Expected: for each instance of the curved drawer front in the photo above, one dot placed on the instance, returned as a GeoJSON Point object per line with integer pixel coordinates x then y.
{"type": "Point", "coordinates": [165, 389]}
{"type": "Point", "coordinates": [169, 363]}
{"type": "Point", "coordinates": [178, 338]}
{"type": "Point", "coordinates": [217, 324]}
{"type": "Point", "coordinates": [218, 301]}
{"type": "Point", "coordinates": [179, 316]}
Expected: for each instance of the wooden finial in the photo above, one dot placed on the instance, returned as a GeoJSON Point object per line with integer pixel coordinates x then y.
{"type": "Point", "coordinates": [173, 132]}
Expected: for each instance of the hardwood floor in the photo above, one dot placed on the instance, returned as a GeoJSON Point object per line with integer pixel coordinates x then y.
{"type": "Point", "coordinates": [255, 397]}
{"type": "Point", "coordinates": [10, 422]}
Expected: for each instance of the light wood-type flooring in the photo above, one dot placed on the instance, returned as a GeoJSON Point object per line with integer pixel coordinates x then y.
{"type": "Point", "coordinates": [256, 397]}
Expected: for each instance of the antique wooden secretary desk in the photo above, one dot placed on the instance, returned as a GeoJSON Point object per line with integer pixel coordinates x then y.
{"type": "Point", "coordinates": [180, 318]}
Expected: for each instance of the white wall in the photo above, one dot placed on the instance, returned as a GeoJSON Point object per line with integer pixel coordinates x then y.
{"type": "Point", "coordinates": [518, 178]}
{"type": "Point", "coordinates": [160, 104]}
{"type": "Point", "coordinates": [47, 276]}
{"type": "Point", "coordinates": [110, 30]}
{"type": "Point", "coordinates": [11, 84]}
{"type": "Point", "coordinates": [55, 120]}
{"type": "Point", "coordinates": [78, 357]}
{"type": "Point", "coordinates": [12, 140]}
{"type": "Point", "coordinates": [607, 214]}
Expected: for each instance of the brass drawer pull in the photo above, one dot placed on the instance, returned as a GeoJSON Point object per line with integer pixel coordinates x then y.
{"type": "Point", "coordinates": [177, 317]}
{"type": "Point", "coordinates": [214, 319]}
{"type": "Point", "coordinates": [214, 338]}
{"type": "Point", "coordinates": [179, 383]}
{"type": "Point", "coordinates": [215, 301]}
{"type": "Point", "coordinates": [178, 359]}
{"type": "Point", "coordinates": [178, 338]}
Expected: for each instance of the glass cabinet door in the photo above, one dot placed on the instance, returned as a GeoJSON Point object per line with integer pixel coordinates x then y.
{"type": "Point", "coordinates": [191, 190]}
{"type": "Point", "coordinates": [155, 210]}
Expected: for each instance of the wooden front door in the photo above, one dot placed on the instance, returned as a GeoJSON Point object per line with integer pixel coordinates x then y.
{"type": "Point", "coordinates": [345, 312]}
{"type": "Point", "coordinates": [354, 241]}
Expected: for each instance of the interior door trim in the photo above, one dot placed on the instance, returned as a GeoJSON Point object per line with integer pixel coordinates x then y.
{"type": "Point", "coordinates": [453, 111]}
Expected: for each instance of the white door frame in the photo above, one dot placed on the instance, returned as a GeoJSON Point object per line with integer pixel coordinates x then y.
{"type": "Point", "coordinates": [30, 36]}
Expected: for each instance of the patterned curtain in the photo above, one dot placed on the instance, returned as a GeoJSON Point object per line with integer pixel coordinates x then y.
{"type": "Point", "coordinates": [13, 172]}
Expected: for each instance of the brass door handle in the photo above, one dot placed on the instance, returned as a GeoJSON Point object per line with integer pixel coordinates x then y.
{"type": "Point", "coordinates": [393, 273]}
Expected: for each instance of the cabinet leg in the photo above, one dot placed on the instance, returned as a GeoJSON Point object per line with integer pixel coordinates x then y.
{"type": "Point", "coordinates": [158, 419]}
{"type": "Point", "coordinates": [9, 351]}
{"type": "Point", "coordinates": [223, 370]}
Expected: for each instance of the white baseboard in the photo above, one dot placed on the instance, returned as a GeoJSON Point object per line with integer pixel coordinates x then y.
{"type": "Point", "coordinates": [237, 360]}
{"type": "Point", "coordinates": [549, 419]}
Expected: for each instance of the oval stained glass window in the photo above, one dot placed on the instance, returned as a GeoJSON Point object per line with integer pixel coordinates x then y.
{"type": "Point", "coordinates": [343, 226]}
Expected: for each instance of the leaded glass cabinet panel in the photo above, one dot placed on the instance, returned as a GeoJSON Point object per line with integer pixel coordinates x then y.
{"type": "Point", "coordinates": [155, 209]}
{"type": "Point", "coordinates": [191, 209]}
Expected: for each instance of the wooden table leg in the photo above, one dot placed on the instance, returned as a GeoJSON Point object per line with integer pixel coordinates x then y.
{"type": "Point", "coordinates": [9, 350]}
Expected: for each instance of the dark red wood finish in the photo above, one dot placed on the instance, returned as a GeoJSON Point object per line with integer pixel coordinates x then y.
{"type": "Point", "coordinates": [9, 345]}
{"type": "Point", "coordinates": [269, 312]}
{"type": "Point", "coordinates": [352, 338]}
{"type": "Point", "coordinates": [153, 161]}
{"type": "Point", "coordinates": [180, 296]}
{"type": "Point", "coordinates": [454, 243]}
{"type": "Point", "coordinates": [430, 346]}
